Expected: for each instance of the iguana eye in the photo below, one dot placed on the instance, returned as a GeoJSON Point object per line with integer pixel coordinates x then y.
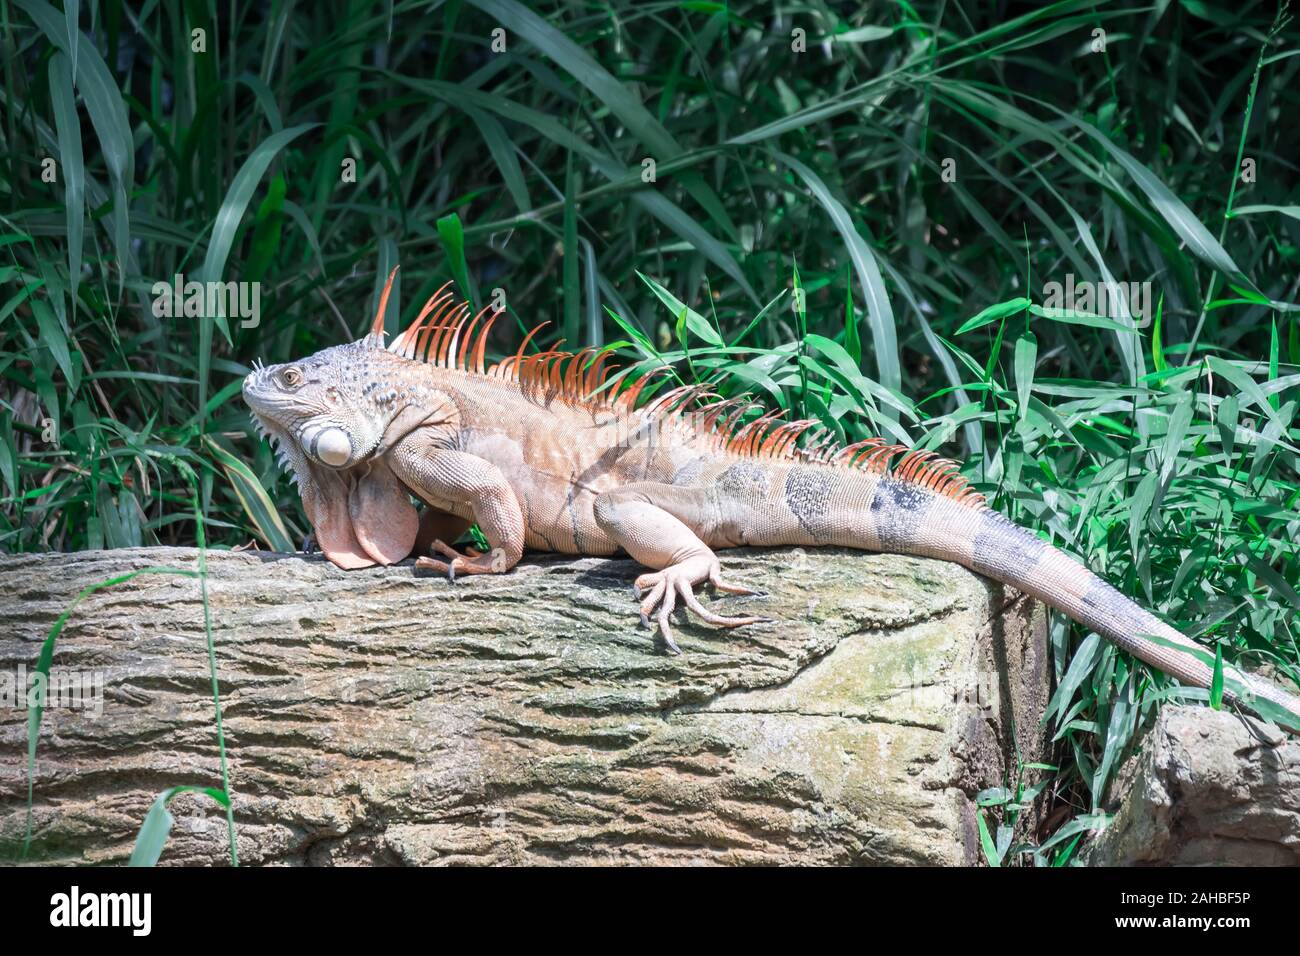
{"type": "Point", "coordinates": [291, 378]}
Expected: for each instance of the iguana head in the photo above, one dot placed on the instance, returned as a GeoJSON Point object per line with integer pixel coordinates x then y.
{"type": "Point", "coordinates": [333, 417]}
{"type": "Point", "coordinates": [323, 406]}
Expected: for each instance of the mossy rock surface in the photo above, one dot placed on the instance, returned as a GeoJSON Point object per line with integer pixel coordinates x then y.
{"type": "Point", "coordinates": [1205, 788]}
{"type": "Point", "coordinates": [382, 716]}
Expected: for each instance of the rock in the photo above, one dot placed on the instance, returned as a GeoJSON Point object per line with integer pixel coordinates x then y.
{"type": "Point", "coordinates": [1209, 788]}
{"type": "Point", "coordinates": [381, 716]}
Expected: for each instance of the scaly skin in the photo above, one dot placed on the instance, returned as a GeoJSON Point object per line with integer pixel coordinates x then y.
{"type": "Point", "coordinates": [539, 457]}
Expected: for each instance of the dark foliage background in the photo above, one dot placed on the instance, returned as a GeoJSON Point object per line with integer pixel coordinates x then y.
{"type": "Point", "coordinates": [851, 210]}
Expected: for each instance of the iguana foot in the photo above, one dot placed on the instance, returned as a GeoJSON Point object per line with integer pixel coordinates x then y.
{"type": "Point", "coordinates": [716, 582]}
{"type": "Point", "coordinates": [472, 561]}
{"type": "Point", "coordinates": [635, 517]}
{"type": "Point", "coordinates": [309, 544]}
{"type": "Point", "coordinates": [678, 581]}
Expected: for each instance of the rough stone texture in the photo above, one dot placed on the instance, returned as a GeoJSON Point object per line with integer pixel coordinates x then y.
{"type": "Point", "coordinates": [382, 717]}
{"type": "Point", "coordinates": [1209, 788]}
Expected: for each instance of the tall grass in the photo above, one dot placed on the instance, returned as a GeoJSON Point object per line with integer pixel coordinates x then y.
{"type": "Point", "coordinates": [853, 212]}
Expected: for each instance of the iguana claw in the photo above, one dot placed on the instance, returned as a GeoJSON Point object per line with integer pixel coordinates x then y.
{"type": "Point", "coordinates": [667, 586]}
{"type": "Point", "coordinates": [472, 561]}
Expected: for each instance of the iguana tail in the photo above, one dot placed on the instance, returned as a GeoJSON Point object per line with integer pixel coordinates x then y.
{"type": "Point", "coordinates": [908, 519]}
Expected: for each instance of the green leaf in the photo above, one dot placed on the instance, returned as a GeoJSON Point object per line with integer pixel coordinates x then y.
{"type": "Point", "coordinates": [852, 343]}
{"type": "Point", "coordinates": [643, 344]}
{"type": "Point", "coordinates": [453, 244]}
{"type": "Point", "coordinates": [653, 202]}
{"type": "Point", "coordinates": [71, 160]}
{"type": "Point", "coordinates": [880, 314]}
{"type": "Point", "coordinates": [1244, 384]}
{"type": "Point", "coordinates": [620, 100]}
{"type": "Point", "coordinates": [238, 196]}
{"type": "Point", "coordinates": [844, 363]}
{"type": "Point", "coordinates": [54, 338]}
{"type": "Point", "coordinates": [993, 797]}
{"type": "Point", "coordinates": [108, 116]}
{"type": "Point", "coordinates": [1116, 738]}
{"type": "Point", "coordinates": [266, 231]}
{"type": "Point", "coordinates": [71, 18]}
{"type": "Point", "coordinates": [257, 504]}
{"type": "Point", "coordinates": [995, 312]}
{"type": "Point", "coordinates": [1174, 211]}
{"type": "Point", "coordinates": [503, 154]}
{"type": "Point", "coordinates": [1157, 343]}
{"type": "Point", "coordinates": [8, 456]}
{"type": "Point", "coordinates": [867, 34]}
{"type": "Point", "coordinates": [1076, 317]}
{"type": "Point", "coordinates": [572, 296]}
{"type": "Point", "coordinates": [593, 333]}
{"type": "Point", "coordinates": [698, 325]}
{"type": "Point", "coordinates": [157, 825]}
{"type": "Point", "coordinates": [1026, 356]}
{"type": "Point", "coordinates": [1081, 665]}
{"type": "Point", "coordinates": [986, 841]}
{"type": "Point", "coordinates": [1216, 682]}
{"type": "Point", "coordinates": [1292, 211]}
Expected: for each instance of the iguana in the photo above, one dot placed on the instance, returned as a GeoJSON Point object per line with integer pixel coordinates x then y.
{"type": "Point", "coordinates": [542, 452]}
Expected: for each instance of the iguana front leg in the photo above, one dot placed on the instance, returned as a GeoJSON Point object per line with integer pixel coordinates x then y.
{"type": "Point", "coordinates": [640, 518]}
{"type": "Point", "coordinates": [463, 485]}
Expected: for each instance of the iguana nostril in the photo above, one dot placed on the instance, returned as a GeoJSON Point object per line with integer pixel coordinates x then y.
{"type": "Point", "coordinates": [333, 447]}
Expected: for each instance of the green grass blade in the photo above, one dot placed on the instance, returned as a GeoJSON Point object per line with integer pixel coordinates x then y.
{"type": "Point", "coordinates": [231, 213]}
{"type": "Point", "coordinates": [71, 161]}
{"type": "Point", "coordinates": [880, 314]}
{"type": "Point", "coordinates": [157, 825]}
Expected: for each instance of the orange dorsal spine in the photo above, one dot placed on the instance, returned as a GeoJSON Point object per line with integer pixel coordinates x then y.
{"type": "Point", "coordinates": [447, 334]}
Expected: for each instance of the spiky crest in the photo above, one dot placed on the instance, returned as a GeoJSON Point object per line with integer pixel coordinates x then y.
{"type": "Point", "coordinates": [375, 337]}
{"type": "Point", "coordinates": [445, 334]}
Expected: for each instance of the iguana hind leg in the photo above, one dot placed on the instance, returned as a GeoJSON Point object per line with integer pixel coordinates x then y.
{"type": "Point", "coordinates": [639, 519]}
{"type": "Point", "coordinates": [463, 485]}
